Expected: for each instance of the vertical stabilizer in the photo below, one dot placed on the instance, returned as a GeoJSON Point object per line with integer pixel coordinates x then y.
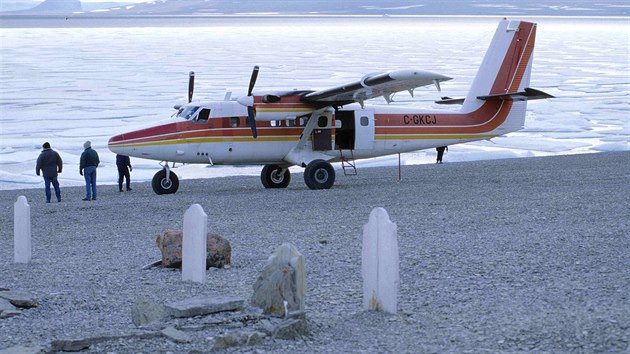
{"type": "Point", "coordinates": [505, 68]}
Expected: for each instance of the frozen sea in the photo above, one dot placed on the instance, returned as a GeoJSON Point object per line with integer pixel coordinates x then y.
{"type": "Point", "coordinates": [66, 82]}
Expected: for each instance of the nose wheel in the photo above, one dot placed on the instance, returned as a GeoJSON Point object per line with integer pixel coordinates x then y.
{"type": "Point", "coordinates": [165, 182]}
{"type": "Point", "coordinates": [274, 176]}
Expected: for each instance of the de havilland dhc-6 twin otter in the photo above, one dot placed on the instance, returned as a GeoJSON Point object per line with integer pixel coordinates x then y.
{"type": "Point", "coordinates": [313, 129]}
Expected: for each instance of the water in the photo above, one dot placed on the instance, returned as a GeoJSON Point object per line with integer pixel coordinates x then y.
{"type": "Point", "coordinates": [66, 84]}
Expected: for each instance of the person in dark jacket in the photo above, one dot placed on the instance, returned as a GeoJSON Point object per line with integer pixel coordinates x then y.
{"type": "Point", "coordinates": [87, 168]}
{"type": "Point", "coordinates": [124, 167]}
{"type": "Point", "coordinates": [440, 153]}
{"type": "Point", "coordinates": [50, 164]}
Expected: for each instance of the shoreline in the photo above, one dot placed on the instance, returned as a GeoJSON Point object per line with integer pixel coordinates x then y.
{"type": "Point", "coordinates": [90, 20]}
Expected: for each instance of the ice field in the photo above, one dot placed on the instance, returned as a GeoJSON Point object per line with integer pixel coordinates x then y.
{"type": "Point", "coordinates": [67, 85]}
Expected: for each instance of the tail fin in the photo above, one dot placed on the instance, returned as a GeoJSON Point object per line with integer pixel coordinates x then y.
{"type": "Point", "coordinates": [506, 67]}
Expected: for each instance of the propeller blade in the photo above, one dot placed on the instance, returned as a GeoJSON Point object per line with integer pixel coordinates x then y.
{"type": "Point", "coordinates": [191, 85]}
{"type": "Point", "coordinates": [252, 80]}
{"type": "Point", "coordinates": [251, 121]}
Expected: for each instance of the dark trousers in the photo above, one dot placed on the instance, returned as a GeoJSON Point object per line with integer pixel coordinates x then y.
{"type": "Point", "coordinates": [123, 172]}
{"type": "Point", "coordinates": [55, 183]}
{"type": "Point", "coordinates": [440, 153]}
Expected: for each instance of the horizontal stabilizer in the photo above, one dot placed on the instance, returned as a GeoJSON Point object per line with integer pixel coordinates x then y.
{"type": "Point", "coordinates": [448, 100]}
{"type": "Point", "coordinates": [528, 94]}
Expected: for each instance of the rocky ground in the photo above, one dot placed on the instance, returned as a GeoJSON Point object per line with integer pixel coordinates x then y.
{"type": "Point", "coordinates": [495, 256]}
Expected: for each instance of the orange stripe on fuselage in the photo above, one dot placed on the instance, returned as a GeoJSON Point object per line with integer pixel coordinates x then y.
{"type": "Point", "coordinates": [487, 118]}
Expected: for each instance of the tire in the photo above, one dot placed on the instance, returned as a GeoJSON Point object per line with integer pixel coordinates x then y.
{"type": "Point", "coordinates": [271, 177]}
{"type": "Point", "coordinates": [319, 174]}
{"type": "Point", "coordinates": [163, 186]}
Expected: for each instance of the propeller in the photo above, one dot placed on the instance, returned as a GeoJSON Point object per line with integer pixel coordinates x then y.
{"type": "Point", "coordinates": [191, 85]}
{"type": "Point", "coordinates": [251, 114]}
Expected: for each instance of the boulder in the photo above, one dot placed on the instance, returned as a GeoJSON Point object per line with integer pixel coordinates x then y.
{"type": "Point", "coordinates": [219, 251]}
{"type": "Point", "coordinates": [281, 286]}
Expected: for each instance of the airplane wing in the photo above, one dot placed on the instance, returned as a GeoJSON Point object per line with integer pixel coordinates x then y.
{"type": "Point", "coordinates": [375, 85]}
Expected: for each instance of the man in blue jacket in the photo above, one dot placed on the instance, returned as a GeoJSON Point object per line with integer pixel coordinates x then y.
{"type": "Point", "coordinates": [87, 168]}
{"type": "Point", "coordinates": [50, 164]}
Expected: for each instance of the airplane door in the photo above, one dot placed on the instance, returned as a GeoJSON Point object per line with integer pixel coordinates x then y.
{"type": "Point", "coordinates": [364, 129]}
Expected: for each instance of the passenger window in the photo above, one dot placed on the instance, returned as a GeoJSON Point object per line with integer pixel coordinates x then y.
{"type": "Point", "coordinates": [322, 121]}
{"type": "Point", "coordinates": [365, 121]}
{"type": "Point", "coordinates": [275, 123]}
{"type": "Point", "coordinates": [235, 122]}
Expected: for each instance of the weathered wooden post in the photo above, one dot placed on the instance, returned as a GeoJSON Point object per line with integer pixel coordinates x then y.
{"type": "Point", "coordinates": [194, 244]}
{"type": "Point", "coordinates": [281, 286]}
{"type": "Point", "coordinates": [22, 231]}
{"type": "Point", "coordinates": [379, 266]}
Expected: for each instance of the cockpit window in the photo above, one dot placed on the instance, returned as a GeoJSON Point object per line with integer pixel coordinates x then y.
{"type": "Point", "coordinates": [188, 112]}
{"type": "Point", "coordinates": [203, 115]}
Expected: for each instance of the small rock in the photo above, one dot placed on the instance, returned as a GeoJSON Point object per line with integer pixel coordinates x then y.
{"type": "Point", "coordinates": [175, 335]}
{"type": "Point", "coordinates": [19, 298]}
{"type": "Point", "coordinates": [23, 350]}
{"type": "Point", "coordinates": [70, 345]}
{"type": "Point", "coordinates": [291, 329]}
{"type": "Point", "coordinates": [238, 339]}
{"type": "Point", "coordinates": [7, 309]}
{"type": "Point", "coordinates": [203, 305]}
{"type": "Point", "coordinates": [146, 311]}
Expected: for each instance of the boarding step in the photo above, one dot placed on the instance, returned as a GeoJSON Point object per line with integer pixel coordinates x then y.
{"type": "Point", "coordinates": [347, 163]}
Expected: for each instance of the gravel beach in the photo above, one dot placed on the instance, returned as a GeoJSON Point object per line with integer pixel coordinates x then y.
{"type": "Point", "coordinates": [516, 255]}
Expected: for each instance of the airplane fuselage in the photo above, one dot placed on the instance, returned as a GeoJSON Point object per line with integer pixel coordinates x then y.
{"type": "Point", "coordinates": [372, 131]}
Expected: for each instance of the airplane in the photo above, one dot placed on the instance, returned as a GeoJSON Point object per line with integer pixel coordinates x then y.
{"type": "Point", "coordinates": [313, 129]}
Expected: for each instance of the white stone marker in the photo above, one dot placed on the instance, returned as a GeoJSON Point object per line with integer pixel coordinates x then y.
{"type": "Point", "coordinates": [379, 266]}
{"type": "Point", "coordinates": [22, 231]}
{"type": "Point", "coordinates": [194, 244]}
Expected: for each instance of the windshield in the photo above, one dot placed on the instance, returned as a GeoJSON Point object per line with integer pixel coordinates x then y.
{"type": "Point", "coordinates": [188, 112]}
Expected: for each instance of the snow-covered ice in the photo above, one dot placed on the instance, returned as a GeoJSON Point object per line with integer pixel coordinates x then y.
{"type": "Point", "coordinates": [68, 85]}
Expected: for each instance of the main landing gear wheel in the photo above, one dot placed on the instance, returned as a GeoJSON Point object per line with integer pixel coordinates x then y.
{"type": "Point", "coordinates": [162, 185]}
{"type": "Point", "coordinates": [273, 177]}
{"type": "Point", "coordinates": [319, 174]}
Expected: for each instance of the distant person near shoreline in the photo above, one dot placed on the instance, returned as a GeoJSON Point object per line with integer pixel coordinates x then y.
{"type": "Point", "coordinates": [50, 164]}
{"type": "Point", "coordinates": [124, 167]}
{"type": "Point", "coordinates": [87, 168]}
{"type": "Point", "coordinates": [440, 153]}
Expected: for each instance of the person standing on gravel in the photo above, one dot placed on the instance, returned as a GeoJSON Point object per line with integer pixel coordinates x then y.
{"type": "Point", "coordinates": [50, 164]}
{"type": "Point", "coordinates": [440, 153]}
{"type": "Point", "coordinates": [87, 168]}
{"type": "Point", "coordinates": [124, 167]}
